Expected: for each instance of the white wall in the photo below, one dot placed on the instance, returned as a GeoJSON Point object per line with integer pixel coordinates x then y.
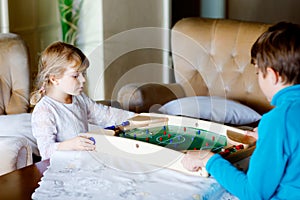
{"type": "Point", "coordinates": [268, 11]}
{"type": "Point", "coordinates": [36, 21]}
{"type": "Point", "coordinates": [90, 41]}
{"type": "Point", "coordinates": [117, 43]}
{"type": "Point", "coordinates": [136, 46]}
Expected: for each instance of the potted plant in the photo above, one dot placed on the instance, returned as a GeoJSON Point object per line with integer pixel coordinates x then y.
{"type": "Point", "coordinates": [69, 16]}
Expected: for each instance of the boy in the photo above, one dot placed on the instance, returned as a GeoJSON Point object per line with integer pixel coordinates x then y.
{"type": "Point", "coordinates": [274, 166]}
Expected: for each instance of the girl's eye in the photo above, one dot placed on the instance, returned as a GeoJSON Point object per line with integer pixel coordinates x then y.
{"type": "Point", "coordinates": [78, 74]}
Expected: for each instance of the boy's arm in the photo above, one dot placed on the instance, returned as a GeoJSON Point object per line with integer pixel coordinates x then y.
{"type": "Point", "coordinates": [262, 179]}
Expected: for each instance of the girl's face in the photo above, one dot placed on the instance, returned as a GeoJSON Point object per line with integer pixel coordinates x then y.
{"type": "Point", "coordinates": [72, 81]}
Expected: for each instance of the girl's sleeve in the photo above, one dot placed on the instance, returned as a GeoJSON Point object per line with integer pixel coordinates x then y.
{"type": "Point", "coordinates": [101, 115]}
{"type": "Point", "coordinates": [44, 130]}
{"type": "Point", "coordinates": [267, 165]}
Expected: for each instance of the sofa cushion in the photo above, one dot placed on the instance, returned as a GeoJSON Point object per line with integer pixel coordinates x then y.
{"type": "Point", "coordinates": [216, 109]}
{"type": "Point", "coordinates": [18, 125]}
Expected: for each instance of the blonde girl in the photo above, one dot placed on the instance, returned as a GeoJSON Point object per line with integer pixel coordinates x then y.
{"type": "Point", "coordinates": [61, 109]}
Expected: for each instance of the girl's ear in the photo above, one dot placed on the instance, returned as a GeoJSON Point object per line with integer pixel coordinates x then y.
{"type": "Point", "coordinates": [53, 79]}
{"type": "Point", "coordinates": [273, 76]}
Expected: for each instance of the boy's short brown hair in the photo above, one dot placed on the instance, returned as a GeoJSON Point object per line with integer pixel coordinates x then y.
{"type": "Point", "coordinates": [279, 48]}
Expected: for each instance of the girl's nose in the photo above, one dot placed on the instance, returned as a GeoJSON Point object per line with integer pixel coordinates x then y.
{"type": "Point", "coordinates": [82, 78]}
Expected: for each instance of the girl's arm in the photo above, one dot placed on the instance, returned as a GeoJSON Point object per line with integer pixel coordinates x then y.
{"type": "Point", "coordinates": [79, 143]}
{"type": "Point", "coordinates": [101, 115]}
{"type": "Point", "coordinates": [43, 129]}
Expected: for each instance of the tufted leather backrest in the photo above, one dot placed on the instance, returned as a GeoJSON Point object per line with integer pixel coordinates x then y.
{"type": "Point", "coordinates": [212, 58]}
{"type": "Point", "coordinates": [14, 75]}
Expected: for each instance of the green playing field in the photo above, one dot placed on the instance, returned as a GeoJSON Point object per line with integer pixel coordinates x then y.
{"type": "Point", "coordinates": [178, 138]}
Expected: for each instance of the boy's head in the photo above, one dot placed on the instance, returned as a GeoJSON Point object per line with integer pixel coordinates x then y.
{"type": "Point", "coordinates": [279, 48]}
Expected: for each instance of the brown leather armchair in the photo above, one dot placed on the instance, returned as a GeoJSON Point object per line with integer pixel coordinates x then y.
{"type": "Point", "coordinates": [211, 57]}
{"type": "Point", "coordinates": [14, 75]}
{"type": "Point", "coordinates": [15, 130]}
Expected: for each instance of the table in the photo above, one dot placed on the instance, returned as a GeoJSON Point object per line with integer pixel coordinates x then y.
{"type": "Point", "coordinates": [20, 184]}
{"type": "Point", "coordinates": [123, 168]}
{"type": "Point", "coordinates": [83, 175]}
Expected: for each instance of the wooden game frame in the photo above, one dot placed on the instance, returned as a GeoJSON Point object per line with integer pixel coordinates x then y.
{"type": "Point", "coordinates": [108, 142]}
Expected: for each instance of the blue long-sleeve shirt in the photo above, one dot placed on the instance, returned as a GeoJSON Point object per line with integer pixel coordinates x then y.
{"type": "Point", "coordinates": [274, 168]}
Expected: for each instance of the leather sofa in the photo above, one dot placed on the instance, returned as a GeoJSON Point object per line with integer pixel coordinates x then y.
{"type": "Point", "coordinates": [14, 74]}
{"type": "Point", "coordinates": [16, 140]}
{"type": "Point", "coordinates": [211, 58]}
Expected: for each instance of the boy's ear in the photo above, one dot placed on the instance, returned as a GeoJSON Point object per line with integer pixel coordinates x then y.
{"type": "Point", "coordinates": [273, 75]}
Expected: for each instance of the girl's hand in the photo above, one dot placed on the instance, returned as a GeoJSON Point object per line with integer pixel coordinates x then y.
{"type": "Point", "coordinates": [79, 143]}
{"type": "Point", "coordinates": [195, 160]}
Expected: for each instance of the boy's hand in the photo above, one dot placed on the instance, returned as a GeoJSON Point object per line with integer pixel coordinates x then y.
{"type": "Point", "coordinates": [79, 143]}
{"type": "Point", "coordinates": [253, 133]}
{"type": "Point", "coordinates": [195, 160]}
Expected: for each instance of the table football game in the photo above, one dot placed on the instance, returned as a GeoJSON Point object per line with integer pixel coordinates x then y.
{"type": "Point", "coordinates": [169, 137]}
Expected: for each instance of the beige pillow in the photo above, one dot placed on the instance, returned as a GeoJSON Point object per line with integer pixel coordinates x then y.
{"type": "Point", "coordinates": [212, 108]}
{"type": "Point", "coordinates": [18, 125]}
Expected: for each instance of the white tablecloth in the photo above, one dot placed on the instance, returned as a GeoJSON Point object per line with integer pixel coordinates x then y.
{"type": "Point", "coordinates": [94, 175]}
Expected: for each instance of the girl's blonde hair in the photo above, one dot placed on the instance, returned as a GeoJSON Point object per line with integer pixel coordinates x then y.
{"type": "Point", "coordinates": [53, 61]}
